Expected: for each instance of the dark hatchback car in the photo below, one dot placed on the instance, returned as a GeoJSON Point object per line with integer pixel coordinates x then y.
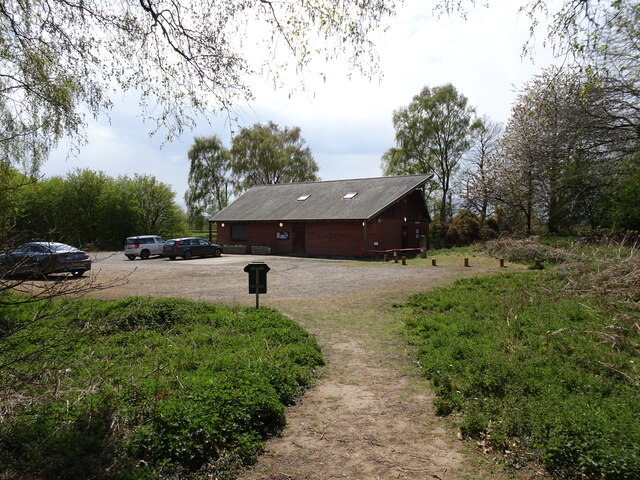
{"type": "Point", "coordinates": [190, 247]}
{"type": "Point", "coordinates": [43, 258]}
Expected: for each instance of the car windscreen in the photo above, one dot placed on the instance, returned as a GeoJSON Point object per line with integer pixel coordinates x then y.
{"type": "Point", "coordinates": [169, 243]}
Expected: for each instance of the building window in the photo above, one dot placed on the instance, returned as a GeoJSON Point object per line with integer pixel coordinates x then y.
{"type": "Point", "coordinates": [238, 232]}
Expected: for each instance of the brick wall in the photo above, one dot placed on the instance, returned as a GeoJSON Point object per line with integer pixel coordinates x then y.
{"type": "Point", "coordinates": [339, 238]}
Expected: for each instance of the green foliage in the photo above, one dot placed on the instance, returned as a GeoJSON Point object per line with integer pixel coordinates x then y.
{"type": "Point", "coordinates": [180, 58]}
{"type": "Point", "coordinates": [266, 154]}
{"type": "Point", "coordinates": [91, 210]}
{"type": "Point", "coordinates": [152, 388]}
{"type": "Point", "coordinates": [10, 183]}
{"type": "Point", "coordinates": [464, 229]}
{"type": "Point", "coordinates": [209, 177]}
{"type": "Point", "coordinates": [536, 370]}
{"type": "Point", "coordinates": [432, 133]}
{"type": "Point", "coordinates": [619, 207]}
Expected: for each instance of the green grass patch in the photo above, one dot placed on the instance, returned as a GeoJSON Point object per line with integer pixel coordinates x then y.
{"type": "Point", "coordinates": [536, 369]}
{"type": "Point", "coordinates": [201, 233]}
{"type": "Point", "coordinates": [144, 388]}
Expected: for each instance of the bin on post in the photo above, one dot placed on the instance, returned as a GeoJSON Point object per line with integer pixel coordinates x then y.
{"type": "Point", "coordinates": [257, 279]}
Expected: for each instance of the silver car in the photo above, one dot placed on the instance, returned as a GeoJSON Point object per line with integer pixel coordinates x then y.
{"type": "Point", "coordinates": [143, 246]}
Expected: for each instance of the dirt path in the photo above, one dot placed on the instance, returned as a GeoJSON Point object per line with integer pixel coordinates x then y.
{"type": "Point", "coordinates": [370, 415]}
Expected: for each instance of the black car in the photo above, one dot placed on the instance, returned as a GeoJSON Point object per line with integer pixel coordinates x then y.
{"type": "Point", "coordinates": [43, 258]}
{"type": "Point", "coordinates": [190, 247]}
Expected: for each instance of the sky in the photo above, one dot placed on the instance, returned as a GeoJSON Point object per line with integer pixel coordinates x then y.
{"type": "Point", "coordinates": [347, 123]}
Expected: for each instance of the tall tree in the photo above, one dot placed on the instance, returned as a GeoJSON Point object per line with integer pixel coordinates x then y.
{"type": "Point", "coordinates": [59, 58]}
{"type": "Point", "coordinates": [432, 134]}
{"type": "Point", "coordinates": [157, 211]}
{"type": "Point", "coordinates": [267, 154]}
{"type": "Point", "coordinates": [610, 64]}
{"type": "Point", "coordinates": [477, 185]}
{"type": "Point", "coordinates": [209, 177]}
{"type": "Point", "coordinates": [552, 140]}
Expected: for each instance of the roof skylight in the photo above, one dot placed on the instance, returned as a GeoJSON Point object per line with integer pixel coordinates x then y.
{"type": "Point", "coordinates": [350, 195]}
{"type": "Point", "coordinates": [302, 198]}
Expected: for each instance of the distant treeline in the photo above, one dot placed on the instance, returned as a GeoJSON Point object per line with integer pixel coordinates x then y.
{"type": "Point", "coordinates": [87, 209]}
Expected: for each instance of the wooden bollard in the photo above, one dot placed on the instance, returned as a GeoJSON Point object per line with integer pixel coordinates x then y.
{"type": "Point", "coordinates": [502, 263]}
{"type": "Point", "coordinates": [433, 262]}
{"type": "Point", "coordinates": [404, 260]}
{"type": "Point", "coordinates": [395, 257]}
{"type": "Point", "coordinates": [386, 258]}
{"type": "Point", "coordinates": [466, 262]}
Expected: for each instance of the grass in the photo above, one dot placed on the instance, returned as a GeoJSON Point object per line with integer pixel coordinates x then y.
{"type": "Point", "coordinates": [201, 233]}
{"type": "Point", "coordinates": [541, 365]}
{"type": "Point", "coordinates": [143, 388]}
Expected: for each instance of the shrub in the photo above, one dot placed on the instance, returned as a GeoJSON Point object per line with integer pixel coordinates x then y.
{"type": "Point", "coordinates": [464, 229]}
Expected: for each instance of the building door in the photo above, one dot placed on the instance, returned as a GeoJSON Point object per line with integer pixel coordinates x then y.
{"type": "Point", "coordinates": [299, 238]}
{"type": "Point", "coordinates": [405, 238]}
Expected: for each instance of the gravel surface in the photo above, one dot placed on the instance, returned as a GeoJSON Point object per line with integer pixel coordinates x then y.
{"type": "Point", "coordinates": [223, 279]}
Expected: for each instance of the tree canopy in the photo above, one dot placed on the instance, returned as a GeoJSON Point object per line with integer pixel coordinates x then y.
{"type": "Point", "coordinates": [573, 27]}
{"type": "Point", "coordinates": [60, 60]}
{"type": "Point", "coordinates": [210, 184]}
{"type": "Point", "coordinates": [267, 154]}
{"type": "Point", "coordinates": [432, 133]}
{"type": "Point", "coordinates": [89, 209]}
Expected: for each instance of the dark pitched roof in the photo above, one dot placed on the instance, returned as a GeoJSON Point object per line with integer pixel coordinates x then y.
{"type": "Point", "coordinates": [325, 200]}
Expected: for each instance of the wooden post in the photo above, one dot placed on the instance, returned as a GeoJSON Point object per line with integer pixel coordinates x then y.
{"type": "Point", "coordinates": [404, 260]}
{"type": "Point", "coordinates": [433, 262]}
{"type": "Point", "coordinates": [502, 263]}
{"type": "Point", "coordinates": [466, 262]}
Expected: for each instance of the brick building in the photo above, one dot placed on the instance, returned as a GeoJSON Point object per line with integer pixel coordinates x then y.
{"type": "Point", "coordinates": [332, 218]}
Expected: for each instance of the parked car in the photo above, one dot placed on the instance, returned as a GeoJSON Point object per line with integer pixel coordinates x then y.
{"type": "Point", "coordinates": [190, 247]}
{"type": "Point", "coordinates": [143, 246]}
{"type": "Point", "coordinates": [43, 258]}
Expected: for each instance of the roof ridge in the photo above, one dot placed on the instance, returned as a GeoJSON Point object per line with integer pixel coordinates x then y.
{"type": "Point", "coordinates": [384, 177]}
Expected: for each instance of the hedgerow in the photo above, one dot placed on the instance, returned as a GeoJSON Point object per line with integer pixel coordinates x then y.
{"type": "Point", "coordinates": [149, 389]}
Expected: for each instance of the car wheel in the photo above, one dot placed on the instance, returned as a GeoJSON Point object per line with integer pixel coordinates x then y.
{"type": "Point", "coordinates": [131, 257]}
{"type": "Point", "coordinates": [171, 257]}
{"type": "Point", "coordinates": [144, 254]}
{"type": "Point", "coordinates": [77, 273]}
{"type": "Point", "coordinates": [217, 252]}
{"type": "Point", "coordinates": [187, 255]}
